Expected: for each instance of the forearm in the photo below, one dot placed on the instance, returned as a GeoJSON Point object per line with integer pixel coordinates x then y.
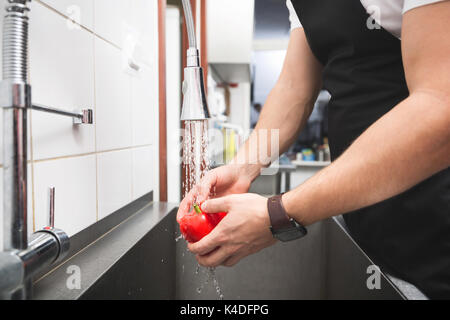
{"type": "Point", "coordinates": [287, 108]}
{"type": "Point", "coordinates": [275, 130]}
{"type": "Point", "coordinates": [403, 148]}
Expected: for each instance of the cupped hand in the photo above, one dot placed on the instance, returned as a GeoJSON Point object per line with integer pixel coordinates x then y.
{"type": "Point", "coordinates": [226, 180]}
{"type": "Point", "coordinates": [244, 231]}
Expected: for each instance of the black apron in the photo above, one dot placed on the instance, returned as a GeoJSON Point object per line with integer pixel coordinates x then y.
{"type": "Point", "coordinates": [407, 235]}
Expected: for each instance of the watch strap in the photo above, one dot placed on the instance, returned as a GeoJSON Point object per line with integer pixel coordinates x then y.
{"type": "Point", "coordinates": [278, 216]}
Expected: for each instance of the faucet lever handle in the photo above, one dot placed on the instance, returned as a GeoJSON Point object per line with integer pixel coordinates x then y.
{"type": "Point", "coordinates": [51, 207]}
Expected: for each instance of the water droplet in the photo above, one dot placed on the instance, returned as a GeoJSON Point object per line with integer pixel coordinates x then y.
{"type": "Point", "coordinates": [196, 162]}
{"type": "Point", "coordinates": [197, 269]}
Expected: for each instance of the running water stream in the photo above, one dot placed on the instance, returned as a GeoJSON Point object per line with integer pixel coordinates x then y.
{"type": "Point", "coordinates": [195, 153]}
{"type": "Point", "coordinates": [196, 163]}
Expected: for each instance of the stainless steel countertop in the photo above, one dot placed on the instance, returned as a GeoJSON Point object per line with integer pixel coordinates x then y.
{"type": "Point", "coordinates": [102, 254]}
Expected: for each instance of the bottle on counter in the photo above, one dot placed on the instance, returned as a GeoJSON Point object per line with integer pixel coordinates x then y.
{"type": "Point", "coordinates": [326, 149]}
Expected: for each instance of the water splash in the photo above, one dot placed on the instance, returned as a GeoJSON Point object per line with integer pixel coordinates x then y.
{"type": "Point", "coordinates": [212, 275]}
{"type": "Point", "coordinates": [196, 161]}
{"type": "Point", "coordinates": [197, 269]}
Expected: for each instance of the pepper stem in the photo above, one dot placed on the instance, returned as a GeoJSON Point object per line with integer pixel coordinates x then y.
{"type": "Point", "coordinates": [197, 208]}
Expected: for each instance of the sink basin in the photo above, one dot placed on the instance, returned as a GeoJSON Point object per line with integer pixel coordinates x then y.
{"type": "Point", "coordinates": [140, 259]}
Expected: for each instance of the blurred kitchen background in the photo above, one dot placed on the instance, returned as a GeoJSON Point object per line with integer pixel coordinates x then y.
{"type": "Point", "coordinates": [110, 55]}
{"type": "Point", "coordinates": [246, 43]}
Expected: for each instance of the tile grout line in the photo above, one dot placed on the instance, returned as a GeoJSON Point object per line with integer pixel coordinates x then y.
{"type": "Point", "coordinates": [132, 136]}
{"type": "Point", "coordinates": [96, 152]}
{"type": "Point", "coordinates": [79, 24]}
{"type": "Point", "coordinates": [95, 122]}
{"type": "Point", "coordinates": [146, 64]}
{"type": "Point", "coordinates": [92, 153]}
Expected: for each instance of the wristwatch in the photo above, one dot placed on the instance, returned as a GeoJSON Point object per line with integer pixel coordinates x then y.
{"type": "Point", "coordinates": [282, 227]}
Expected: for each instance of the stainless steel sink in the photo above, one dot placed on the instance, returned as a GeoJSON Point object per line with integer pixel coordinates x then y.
{"type": "Point", "coordinates": [140, 259]}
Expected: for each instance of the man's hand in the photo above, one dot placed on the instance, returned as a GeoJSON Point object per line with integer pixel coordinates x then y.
{"type": "Point", "coordinates": [244, 231]}
{"type": "Point", "coordinates": [296, 91]}
{"type": "Point", "coordinates": [226, 180]}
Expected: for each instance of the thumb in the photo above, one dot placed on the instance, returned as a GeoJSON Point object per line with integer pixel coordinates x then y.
{"type": "Point", "coordinates": [203, 189]}
{"type": "Point", "coordinates": [216, 205]}
{"type": "Point", "coordinates": [185, 205]}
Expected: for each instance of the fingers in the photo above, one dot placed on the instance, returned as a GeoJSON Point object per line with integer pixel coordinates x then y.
{"type": "Point", "coordinates": [197, 194]}
{"type": "Point", "coordinates": [209, 243]}
{"type": "Point", "coordinates": [203, 189]}
{"type": "Point", "coordinates": [215, 258]}
{"type": "Point", "coordinates": [217, 205]}
{"type": "Point", "coordinates": [185, 205]}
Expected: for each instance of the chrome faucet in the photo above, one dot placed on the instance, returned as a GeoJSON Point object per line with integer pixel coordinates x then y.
{"type": "Point", "coordinates": [195, 105]}
{"type": "Point", "coordinates": [21, 258]}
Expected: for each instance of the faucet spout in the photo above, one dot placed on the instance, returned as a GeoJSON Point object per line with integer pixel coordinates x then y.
{"type": "Point", "coordinates": [195, 106]}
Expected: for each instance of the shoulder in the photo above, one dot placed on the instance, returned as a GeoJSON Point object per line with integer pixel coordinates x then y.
{"type": "Point", "coordinates": [389, 13]}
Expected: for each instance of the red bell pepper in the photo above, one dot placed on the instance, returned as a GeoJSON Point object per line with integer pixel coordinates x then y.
{"type": "Point", "coordinates": [197, 224]}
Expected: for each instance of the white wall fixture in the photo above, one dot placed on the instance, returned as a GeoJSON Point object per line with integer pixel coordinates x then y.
{"type": "Point", "coordinates": [230, 30]}
{"type": "Point", "coordinates": [230, 38]}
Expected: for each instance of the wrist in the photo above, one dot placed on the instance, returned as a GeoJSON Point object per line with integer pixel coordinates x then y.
{"type": "Point", "coordinates": [283, 227]}
{"type": "Point", "coordinates": [295, 208]}
{"type": "Point", "coordinates": [249, 162]}
{"type": "Point", "coordinates": [247, 170]}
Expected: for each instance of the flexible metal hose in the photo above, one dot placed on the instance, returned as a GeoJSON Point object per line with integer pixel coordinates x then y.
{"type": "Point", "coordinates": [189, 23]}
{"type": "Point", "coordinates": [15, 41]}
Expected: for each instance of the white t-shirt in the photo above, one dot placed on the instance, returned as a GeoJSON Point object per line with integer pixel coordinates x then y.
{"type": "Point", "coordinates": [386, 13]}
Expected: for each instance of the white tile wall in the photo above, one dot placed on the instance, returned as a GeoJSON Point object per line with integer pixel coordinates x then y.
{"type": "Point", "coordinates": [113, 98]}
{"type": "Point", "coordinates": [75, 192]}
{"type": "Point", "coordinates": [143, 174]}
{"type": "Point", "coordinates": [100, 168]}
{"type": "Point", "coordinates": [111, 19]}
{"type": "Point", "coordinates": [57, 83]}
{"type": "Point", "coordinates": [142, 95]}
{"type": "Point", "coordinates": [144, 21]}
{"type": "Point", "coordinates": [114, 170]}
{"type": "Point", "coordinates": [81, 11]}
